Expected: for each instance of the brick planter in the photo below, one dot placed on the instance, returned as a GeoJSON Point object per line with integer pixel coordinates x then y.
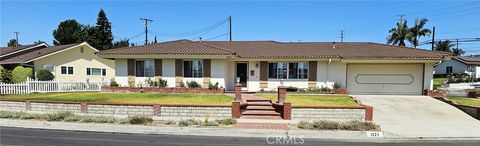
{"type": "Point", "coordinates": [339, 91]}
{"type": "Point", "coordinates": [161, 90]}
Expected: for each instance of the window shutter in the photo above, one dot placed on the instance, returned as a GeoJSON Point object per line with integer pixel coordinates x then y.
{"type": "Point", "coordinates": [206, 67]}
{"type": "Point", "coordinates": [263, 71]}
{"type": "Point", "coordinates": [312, 71]}
{"type": "Point", "coordinates": [178, 67]}
{"type": "Point", "coordinates": [131, 67]}
{"type": "Point", "coordinates": [158, 67]}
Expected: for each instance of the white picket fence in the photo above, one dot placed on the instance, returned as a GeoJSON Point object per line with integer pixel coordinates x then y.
{"type": "Point", "coordinates": [32, 86]}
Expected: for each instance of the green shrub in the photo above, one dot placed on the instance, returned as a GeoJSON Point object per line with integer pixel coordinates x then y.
{"type": "Point", "coordinates": [213, 86]}
{"type": "Point", "coordinates": [140, 119]}
{"type": "Point", "coordinates": [72, 118]}
{"type": "Point", "coordinates": [58, 116]}
{"type": "Point", "coordinates": [44, 75]}
{"type": "Point", "coordinates": [188, 122]}
{"type": "Point", "coordinates": [181, 85]}
{"type": "Point", "coordinates": [193, 84]}
{"type": "Point", "coordinates": [97, 119]}
{"type": "Point", "coordinates": [5, 76]}
{"type": "Point", "coordinates": [31, 116]}
{"type": "Point", "coordinates": [20, 74]}
{"type": "Point", "coordinates": [324, 89]}
{"type": "Point", "coordinates": [227, 121]}
{"type": "Point", "coordinates": [113, 83]}
{"type": "Point", "coordinates": [304, 125]}
{"type": "Point", "coordinates": [162, 83]}
{"type": "Point", "coordinates": [326, 125]}
{"type": "Point", "coordinates": [211, 123]}
{"type": "Point", "coordinates": [13, 115]}
{"type": "Point", "coordinates": [292, 89]}
{"type": "Point", "coordinates": [337, 85]}
{"type": "Point", "coordinates": [170, 122]}
{"type": "Point", "coordinates": [332, 125]}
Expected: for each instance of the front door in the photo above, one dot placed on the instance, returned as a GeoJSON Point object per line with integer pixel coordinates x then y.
{"type": "Point", "coordinates": [242, 73]}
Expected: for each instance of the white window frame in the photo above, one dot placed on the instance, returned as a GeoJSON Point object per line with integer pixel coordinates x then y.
{"type": "Point", "coordinates": [288, 71]}
{"type": "Point", "coordinates": [73, 70]}
{"type": "Point", "coordinates": [102, 70]}
{"type": "Point", "coordinates": [145, 69]}
{"type": "Point", "coordinates": [194, 73]}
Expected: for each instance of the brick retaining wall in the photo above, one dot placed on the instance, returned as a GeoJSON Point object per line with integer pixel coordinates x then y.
{"type": "Point", "coordinates": [333, 114]}
{"type": "Point", "coordinates": [162, 111]}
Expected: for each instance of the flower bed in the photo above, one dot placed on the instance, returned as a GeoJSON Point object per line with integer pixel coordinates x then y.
{"type": "Point", "coordinates": [162, 90]}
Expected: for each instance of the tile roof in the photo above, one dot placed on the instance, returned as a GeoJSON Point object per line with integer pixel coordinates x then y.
{"type": "Point", "coordinates": [184, 47]}
{"type": "Point", "coordinates": [7, 50]}
{"type": "Point", "coordinates": [469, 60]}
{"type": "Point", "coordinates": [23, 58]}
{"type": "Point", "coordinates": [273, 49]}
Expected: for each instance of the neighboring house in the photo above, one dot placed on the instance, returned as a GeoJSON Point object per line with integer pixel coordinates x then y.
{"type": "Point", "coordinates": [360, 67]}
{"type": "Point", "coordinates": [462, 64]}
{"type": "Point", "coordinates": [73, 62]}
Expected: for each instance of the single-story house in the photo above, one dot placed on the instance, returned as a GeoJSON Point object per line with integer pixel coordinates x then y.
{"type": "Point", "coordinates": [72, 62]}
{"type": "Point", "coordinates": [359, 67]}
{"type": "Point", "coordinates": [460, 64]}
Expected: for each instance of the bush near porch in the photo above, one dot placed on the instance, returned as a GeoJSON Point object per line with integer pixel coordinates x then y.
{"type": "Point", "coordinates": [128, 98]}
{"type": "Point", "coordinates": [314, 99]}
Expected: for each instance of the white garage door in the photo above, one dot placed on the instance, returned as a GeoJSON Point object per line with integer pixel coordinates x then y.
{"type": "Point", "coordinates": [385, 78]}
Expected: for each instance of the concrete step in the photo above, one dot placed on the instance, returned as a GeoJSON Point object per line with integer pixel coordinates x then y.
{"type": "Point", "coordinates": [260, 108]}
{"type": "Point", "coordinates": [259, 104]}
{"type": "Point", "coordinates": [260, 113]}
{"type": "Point", "coordinates": [259, 100]}
{"type": "Point", "coordinates": [256, 118]}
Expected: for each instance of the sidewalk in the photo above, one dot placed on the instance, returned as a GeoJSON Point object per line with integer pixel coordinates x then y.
{"type": "Point", "coordinates": [224, 132]}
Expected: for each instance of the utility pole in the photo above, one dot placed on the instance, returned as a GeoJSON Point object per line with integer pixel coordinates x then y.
{"type": "Point", "coordinates": [401, 18]}
{"type": "Point", "coordinates": [146, 28]}
{"type": "Point", "coordinates": [433, 38]}
{"type": "Point", "coordinates": [457, 44]}
{"type": "Point", "coordinates": [342, 35]}
{"type": "Point", "coordinates": [230, 27]}
{"type": "Point", "coordinates": [16, 38]}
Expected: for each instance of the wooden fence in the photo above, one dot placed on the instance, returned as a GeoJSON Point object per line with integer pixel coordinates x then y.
{"type": "Point", "coordinates": [32, 86]}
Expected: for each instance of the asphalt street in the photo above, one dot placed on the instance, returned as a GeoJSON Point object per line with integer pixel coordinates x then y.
{"type": "Point", "coordinates": [40, 137]}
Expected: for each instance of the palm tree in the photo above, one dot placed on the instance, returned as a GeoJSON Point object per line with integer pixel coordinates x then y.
{"type": "Point", "coordinates": [418, 31]}
{"type": "Point", "coordinates": [444, 46]}
{"type": "Point", "coordinates": [458, 52]}
{"type": "Point", "coordinates": [398, 35]}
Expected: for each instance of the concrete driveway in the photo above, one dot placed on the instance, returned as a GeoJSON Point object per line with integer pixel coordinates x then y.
{"type": "Point", "coordinates": [419, 116]}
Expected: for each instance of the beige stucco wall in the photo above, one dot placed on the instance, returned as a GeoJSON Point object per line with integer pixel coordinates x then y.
{"type": "Point", "coordinates": [80, 62]}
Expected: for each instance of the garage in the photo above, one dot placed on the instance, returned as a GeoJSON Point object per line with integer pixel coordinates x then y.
{"type": "Point", "coordinates": [405, 79]}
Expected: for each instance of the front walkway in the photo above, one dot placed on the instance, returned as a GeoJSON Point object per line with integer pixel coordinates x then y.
{"type": "Point", "coordinates": [259, 114]}
{"type": "Point", "coordinates": [419, 116]}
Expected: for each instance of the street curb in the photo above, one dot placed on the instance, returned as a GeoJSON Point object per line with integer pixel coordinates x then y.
{"type": "Point", "coordinates": [223, 132]}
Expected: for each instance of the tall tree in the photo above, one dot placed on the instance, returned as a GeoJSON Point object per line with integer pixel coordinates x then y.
{"type": "Point", "coordinates": [104, 32]}
{"type": "Point", "coordinates": [458, 52]}
{"type": "Point", "coordinates": [417, 31]}
{"type": "Point", "coordinates": [12, 43]}
{"type": "Point", "coordinates": [398, 35]}
{"type": "Point", "coordinates": [121, 43]}
{"type": "Point", "coordinates": [68, 32]}
{"type": "Point", "coordinates": [445, 46]}
{"type": "Point", "coordinates": [38, 42]}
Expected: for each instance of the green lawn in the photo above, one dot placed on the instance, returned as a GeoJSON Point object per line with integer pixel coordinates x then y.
{"type": "Point", "coordinates": [314, 100]}
{"type": "Point", "coordinates": [437, 82]}
{"type": "Point", "coordinates": [475, 102]}
{"type": "Point", "coordinates": [128, 98]}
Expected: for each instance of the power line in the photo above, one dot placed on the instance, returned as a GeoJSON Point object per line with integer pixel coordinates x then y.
{"type": "Point", "coordinates": [194, 32]}
{"type": "Point", "coordinates": [217, 36]}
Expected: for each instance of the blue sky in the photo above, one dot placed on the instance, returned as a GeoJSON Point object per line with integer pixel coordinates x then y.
{"type": "Point", "coordinates": [267, 20]}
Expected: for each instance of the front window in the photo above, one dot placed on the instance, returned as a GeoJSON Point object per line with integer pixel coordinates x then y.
{"type": "Point", "coordinates": [277, 70]}
{"type": "Point", "coordinates": [96, 71]}
{"type": "Point", "coordinates": [64, 70]}
{"type": "Point", "coordinates": [193, 68]}
{"type": "Point", "coordinates": [144, 68]}
{"type": "Point", "coordinates": [449, 69]}
{"type": "Point", "coordinates": [295, 70]}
